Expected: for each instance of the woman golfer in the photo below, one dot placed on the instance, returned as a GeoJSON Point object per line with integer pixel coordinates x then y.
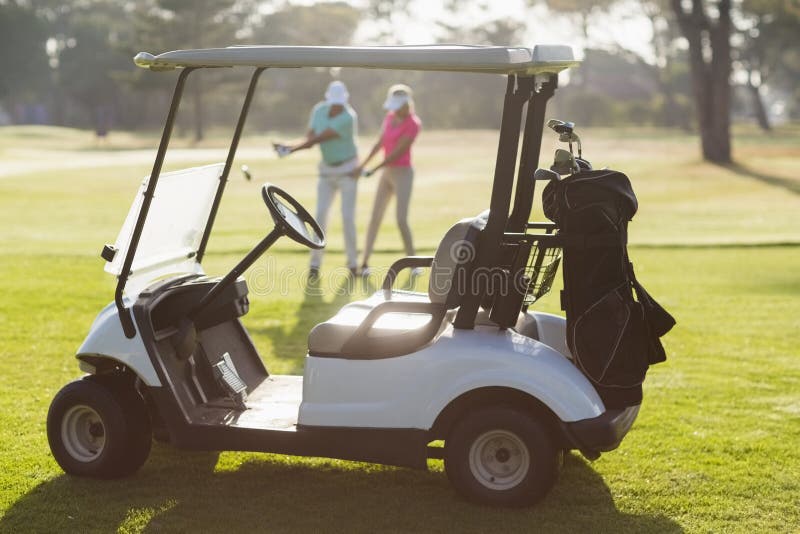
{"type": "Point", "coordinates": [400, 128]}
{"type": "Point", "coordinates": [333, 126]}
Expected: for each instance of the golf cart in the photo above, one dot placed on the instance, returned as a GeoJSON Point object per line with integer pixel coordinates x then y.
{"type": "Point", "coordinates": [466, 363]}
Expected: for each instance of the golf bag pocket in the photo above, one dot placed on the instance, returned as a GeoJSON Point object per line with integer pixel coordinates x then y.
{"type": "Point", "coordinates": [609, 340]}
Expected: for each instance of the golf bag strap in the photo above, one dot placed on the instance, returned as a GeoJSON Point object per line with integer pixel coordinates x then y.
{"type": "Point", "coordinates": [659, 319]}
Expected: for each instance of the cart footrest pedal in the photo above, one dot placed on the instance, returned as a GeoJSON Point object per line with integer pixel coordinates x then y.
{"type": "Point", "coordinates": [230, 380]}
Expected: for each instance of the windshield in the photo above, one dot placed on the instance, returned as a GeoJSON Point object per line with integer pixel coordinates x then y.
{"type": "Point", "coordinates": [174, 227]}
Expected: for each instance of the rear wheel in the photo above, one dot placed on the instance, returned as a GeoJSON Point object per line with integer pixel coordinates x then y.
{"type": "Point", "coordinates": [501, 456]}
{"type": "Point", "coordinates": [98, 427]}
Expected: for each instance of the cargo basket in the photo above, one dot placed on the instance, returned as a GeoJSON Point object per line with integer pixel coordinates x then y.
{"type": "Point", "coordinates": [542, 267]}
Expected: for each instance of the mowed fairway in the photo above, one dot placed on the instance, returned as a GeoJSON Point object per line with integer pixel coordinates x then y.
{"type": "Point", "coordinates": [716, 447]}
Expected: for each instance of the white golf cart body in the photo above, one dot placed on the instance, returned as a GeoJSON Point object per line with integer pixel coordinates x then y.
{"type": "Point", "coordinates": [406, 391]}
{"type": "Point", "coordinates": [385, 405]}
{"type": "Point", "coordinates": [411, 391]}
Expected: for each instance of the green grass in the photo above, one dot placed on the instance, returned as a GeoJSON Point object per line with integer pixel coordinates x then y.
{"type": "Point", "coordinates": [715, 448]}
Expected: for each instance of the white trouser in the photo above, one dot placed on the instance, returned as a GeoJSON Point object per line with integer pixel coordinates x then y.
{"type": "Point", "coordinates": [333, 179]}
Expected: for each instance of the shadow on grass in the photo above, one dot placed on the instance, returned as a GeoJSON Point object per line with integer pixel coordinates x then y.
{"type": "Point", "coordinates": [793, 186]}
{"type": "Point", "coordinates": [291, 343]}
{"type": "Point", "coordinates": [181, 492]}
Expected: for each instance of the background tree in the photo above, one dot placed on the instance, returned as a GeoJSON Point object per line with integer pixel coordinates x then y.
{"type": "Point", "coordinates": [623, 90]}
{"type": "Point", "coordinates": [768, 49]}
{"type": "Point", "coordinates": [23, 57]}
{"type": "Point", "coordinates": [67, 62]}
{"type": "Point", "coordinates": [582, 10]}
{"type": "Point", "coordinates": [670, 70]}
{"type": "Point", "coordinates": [181, 24]}
{"type": "Point", "coordinates": [88, 64]}
{"type": "Point", "coordinates": [385, 14]}
{"type": "Point", "coordinates": [463, 107]}
{"type": "Point", "coordinates": [710, 62]}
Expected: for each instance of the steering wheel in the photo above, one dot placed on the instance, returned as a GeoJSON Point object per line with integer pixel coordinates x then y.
{"type": "Point", "coordinates": [292, 218]}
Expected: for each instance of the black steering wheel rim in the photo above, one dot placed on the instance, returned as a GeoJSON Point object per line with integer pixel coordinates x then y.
{"type": "Point", "coordinates": [276, 200]}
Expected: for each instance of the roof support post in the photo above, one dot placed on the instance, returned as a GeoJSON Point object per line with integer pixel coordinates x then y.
{"type": "Point", "coordinates": [124, 316]}
{"type": "Point", "coordinates": [223, 179]}
{"type": "Point", "coordinates": [531, 150]}
{"type": "Point", "coordinates": [518, 92]}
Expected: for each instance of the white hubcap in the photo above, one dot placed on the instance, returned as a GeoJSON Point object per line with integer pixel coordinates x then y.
{"type": "Point", "coordinates": [83, 433]}
{"type": "Point", "coordinates": [499, 459]}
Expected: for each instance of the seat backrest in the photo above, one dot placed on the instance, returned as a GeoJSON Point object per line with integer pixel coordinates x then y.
{"type": "Point", "coordinates": [449, 270]}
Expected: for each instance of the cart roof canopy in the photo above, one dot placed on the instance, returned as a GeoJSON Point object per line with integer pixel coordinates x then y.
{"type": "Point", "coordinates": [459, 58]}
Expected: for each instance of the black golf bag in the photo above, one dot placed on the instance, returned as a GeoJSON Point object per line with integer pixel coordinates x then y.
{"type": "Point", "coordinates": [613, 325]}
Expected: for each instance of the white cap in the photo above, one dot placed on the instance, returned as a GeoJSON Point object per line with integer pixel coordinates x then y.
{"type": "Point", "coordinates": [336, 93]}
{"type": "Point", "coordinates": [397, 96]}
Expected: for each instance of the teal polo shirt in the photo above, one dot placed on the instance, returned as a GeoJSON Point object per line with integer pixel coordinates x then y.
{"type": "Point", "coordinates": [340, 148]}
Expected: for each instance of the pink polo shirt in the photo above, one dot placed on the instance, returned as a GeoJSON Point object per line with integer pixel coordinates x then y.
{"type": "Point", "coordinates": [409, 127]}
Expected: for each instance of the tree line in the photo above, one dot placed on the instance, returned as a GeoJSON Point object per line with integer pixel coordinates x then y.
{"type": "Point", "coordinates": [69, 63]}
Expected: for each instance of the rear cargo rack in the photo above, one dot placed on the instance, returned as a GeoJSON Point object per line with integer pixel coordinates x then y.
{"type": "Point", "coordinates": [541, 270]}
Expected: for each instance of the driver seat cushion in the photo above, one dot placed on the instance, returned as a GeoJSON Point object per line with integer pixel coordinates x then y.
{"type": "Point", "coordinates": [407, 320]}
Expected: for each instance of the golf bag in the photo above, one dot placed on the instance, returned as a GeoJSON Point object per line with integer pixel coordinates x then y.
{"type": "Point", "coordinates": [613, 324]}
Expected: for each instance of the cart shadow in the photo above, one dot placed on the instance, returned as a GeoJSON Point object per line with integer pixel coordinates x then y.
{"type": "Point", "coordinates": [792, 186]}
{"type": "Point", "coordinates": [289, 344]}
{"type": "Point", "coordinates": [179, 492]}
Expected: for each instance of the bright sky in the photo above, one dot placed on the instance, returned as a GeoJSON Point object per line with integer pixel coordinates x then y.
{"type": "Point", "coordinates": [624, 26]}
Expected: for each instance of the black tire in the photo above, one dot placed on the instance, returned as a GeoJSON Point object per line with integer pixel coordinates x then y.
{"type": "Point", "coordinates": [137, 416]}
{"type": "Point", "coordinates": [501, 456]}
{"type": "Point", "coordinates": [98, 427]}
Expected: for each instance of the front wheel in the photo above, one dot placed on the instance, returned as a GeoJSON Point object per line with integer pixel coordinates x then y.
{"type": "Point", "coordinates": [99, 427]}
{"type": "Point", "coordinates": [501, 456]}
